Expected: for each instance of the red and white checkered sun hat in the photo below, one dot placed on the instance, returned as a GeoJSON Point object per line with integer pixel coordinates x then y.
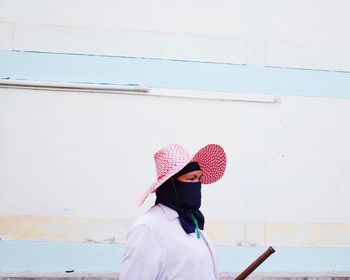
{"type": "Point", "coordinates": [171, 159]}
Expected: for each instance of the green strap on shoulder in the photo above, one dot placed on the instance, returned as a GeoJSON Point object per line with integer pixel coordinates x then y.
{"type": "Point", "coordinates": [197, 228]}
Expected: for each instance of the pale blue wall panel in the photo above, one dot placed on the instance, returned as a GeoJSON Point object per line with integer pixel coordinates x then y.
{"type": "Point", "coordinates": [173, 74]}
{"type": "Point", "coordinates": [19, 256]}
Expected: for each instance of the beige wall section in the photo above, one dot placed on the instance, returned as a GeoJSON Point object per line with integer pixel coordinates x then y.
{"type": "Point", "coordinates": [68, 229]}
{"type": "Point", "coordinates": [280, 234]}
{"type": "Point", "coordinates": [41, 228]}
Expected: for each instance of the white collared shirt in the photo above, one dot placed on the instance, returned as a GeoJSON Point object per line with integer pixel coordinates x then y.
{"type": "Point", "coordinates": [158, 248]}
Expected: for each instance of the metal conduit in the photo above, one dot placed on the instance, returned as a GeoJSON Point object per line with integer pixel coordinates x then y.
{"type": "Point", "coordinates": [117, 89]}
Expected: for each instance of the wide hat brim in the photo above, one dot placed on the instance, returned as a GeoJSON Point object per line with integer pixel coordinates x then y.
{"type": "Point", "coordinates": [212, 161]}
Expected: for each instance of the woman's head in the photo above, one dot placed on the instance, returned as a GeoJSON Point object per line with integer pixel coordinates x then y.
{"type": "Point", "coordinates": [183, 189]}
{"type": "Point", "coordinates": [173, 162]}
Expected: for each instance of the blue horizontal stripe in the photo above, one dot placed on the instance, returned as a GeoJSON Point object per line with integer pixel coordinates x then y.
{"type": "Point", "coordinates": [175, 74]}
{"type": "Point", "coordinates": [25, 256]}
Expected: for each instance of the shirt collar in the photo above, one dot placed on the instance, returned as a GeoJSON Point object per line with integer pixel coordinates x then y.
{"type": "Point", "coordinates": [169, 213]}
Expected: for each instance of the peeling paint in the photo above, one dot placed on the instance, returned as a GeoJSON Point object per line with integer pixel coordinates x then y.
{"type": "Point", "coordinates": [90, 241]}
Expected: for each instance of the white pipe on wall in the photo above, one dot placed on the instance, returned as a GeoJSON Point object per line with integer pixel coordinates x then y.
{"type": "Point", "coordinates": [118, 89]}
{"type": "Point", "coordinates": [59, 86]}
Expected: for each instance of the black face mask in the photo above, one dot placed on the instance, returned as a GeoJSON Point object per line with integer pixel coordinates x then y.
{"type": "Point", "coordinates": [190, 194]}
{"type": "Point", "coordinates": [184, 198]}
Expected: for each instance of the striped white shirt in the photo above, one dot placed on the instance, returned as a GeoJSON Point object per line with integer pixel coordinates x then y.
{"type": "Point", "coordinates": [158, 248]}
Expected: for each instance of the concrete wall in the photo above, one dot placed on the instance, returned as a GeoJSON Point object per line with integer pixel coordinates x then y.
{"type": "Point", "coordinates": [66, 157]}
{"type": "Point", "coordinates": [301, 34]}
{"type": "Point", "coordinates": [86, 157]}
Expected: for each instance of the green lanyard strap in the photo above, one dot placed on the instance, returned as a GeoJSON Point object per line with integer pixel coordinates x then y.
{"type": "Point", "coordinates": [196, 223]}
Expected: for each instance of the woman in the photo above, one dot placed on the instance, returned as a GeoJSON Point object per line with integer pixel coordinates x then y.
{"type": "Point", "coordinates": [168, 241]}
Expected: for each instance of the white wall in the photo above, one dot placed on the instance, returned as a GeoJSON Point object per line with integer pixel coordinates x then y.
{"type": "Point", "coordinates": [82, 155]}
{"type": "Point", "coordinates": [72, 161]}
{"type": "Point", "coordinates": [291, 33]}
